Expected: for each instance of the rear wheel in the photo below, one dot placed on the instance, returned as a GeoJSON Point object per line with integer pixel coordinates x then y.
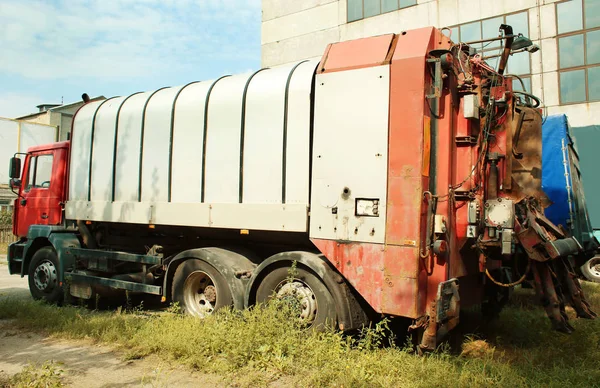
{"type": "Point", "coordinates": [200, 289]}
{"type": "Point", "coordinates": [591, 269]}
{"type": "Point", "coordinates": [43, 276]}
{"type": "Point", "coordinates": [316, 307]}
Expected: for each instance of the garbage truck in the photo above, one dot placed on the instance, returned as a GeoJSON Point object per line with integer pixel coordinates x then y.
{"type": "Point", "coordinates": [399, 176]}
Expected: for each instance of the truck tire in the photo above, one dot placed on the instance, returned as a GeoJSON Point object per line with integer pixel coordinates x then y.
{"type": "Point", "coordinates": [200, 289]}
{"type": "Point", "coordinates": [317, 306]}
{"type": "Point", "coordinates": [591, 269]}
{"type": "Point", "coordinates": [43, 276]}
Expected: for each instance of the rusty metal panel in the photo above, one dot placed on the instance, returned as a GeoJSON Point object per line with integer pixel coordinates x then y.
{"type": "Point", "coordinates": [356, 54]}
{"type": "Point", "coordinates": [361, 264]}
{"type": "Point", "coordinates": [406, 141]}
{"type": "Point", "coordinates": [406, 181]}
{"type": "Point", "coordinates": [385, 276]}
{"type": "Point", "coordinates": [526, 155]}
{"type": "Point", "coordinates": [401, 284]}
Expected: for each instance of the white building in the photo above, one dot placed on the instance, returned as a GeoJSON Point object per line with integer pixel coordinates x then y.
{"type": "Point", "coordinates": [565, 73]}
{"type": "Point", "coordinates": [56, 115]}
{"type": "Point", "coordinates": [18, 136]}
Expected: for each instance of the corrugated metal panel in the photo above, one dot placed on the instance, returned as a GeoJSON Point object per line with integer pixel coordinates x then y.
{"type": "Point", "coordinates": [129, 134]}
{"type": "Point", "coordinates": [298, 135]}
{"type": "Point", "coordinates": [188, 138]}
{"type": "Point", "coordinates": [262, 180]}
{"type": "Point", "coordinates": [223, 140]}
{"type": "Point", "coordinates": [156, 145]}
{"type": "Point", "coordinates": [104, 135]}
{"type": "Point", "coordinates": [80, 152]}
{"type": "Point", "coordinates": [178, 154]}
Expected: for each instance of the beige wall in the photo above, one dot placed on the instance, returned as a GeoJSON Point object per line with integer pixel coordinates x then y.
{"type": "Point", "coordinates": [65, 126]}
{"type": "Point", "coordinates": [60, 117]}
{"type": "Point", "coordinates": [41, 118]}
{"type": "Point", "coordinates": [293, 30]}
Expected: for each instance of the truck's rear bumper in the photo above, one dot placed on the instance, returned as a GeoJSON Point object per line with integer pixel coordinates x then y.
{"type": "Point", "coordinates": [15, 257]}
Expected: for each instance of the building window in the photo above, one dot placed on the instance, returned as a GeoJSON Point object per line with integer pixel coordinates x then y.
{"type": "Point", "coordinates": [578, 27]}
{"type": "Point", "coordinates": [361, 9]}
{"type": "Point", "coordinates": [518, 64]}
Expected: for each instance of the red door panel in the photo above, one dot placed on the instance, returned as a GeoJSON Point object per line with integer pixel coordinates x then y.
{"type": "Point", "coordinates": [41, 193]}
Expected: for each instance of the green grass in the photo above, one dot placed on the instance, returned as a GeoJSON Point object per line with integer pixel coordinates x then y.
{"type": "Point", "coordinates": [258, 346]}
{"type": "Point", "coordinates": [47, 375]}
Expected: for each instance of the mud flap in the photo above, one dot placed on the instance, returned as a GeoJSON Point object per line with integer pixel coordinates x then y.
{"type": "Point", "coordinates": [443, 315]}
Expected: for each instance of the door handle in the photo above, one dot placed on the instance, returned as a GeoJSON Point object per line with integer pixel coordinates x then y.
{"type": "Point", "coordinates": [44, 216]}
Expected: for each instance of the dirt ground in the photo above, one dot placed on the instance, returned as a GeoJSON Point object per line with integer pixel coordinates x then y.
{"type": "Point", "coordinates": [85, 364]}
{"type": "Point", "coordinates": [88, 365]}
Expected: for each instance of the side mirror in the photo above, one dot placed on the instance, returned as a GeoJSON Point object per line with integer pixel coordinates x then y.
{"type": "Point", "coordinates": [14, 170]}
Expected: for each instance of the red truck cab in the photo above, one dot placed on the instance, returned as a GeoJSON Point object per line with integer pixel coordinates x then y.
{"type": "Point", "coordinates": [42, 188]}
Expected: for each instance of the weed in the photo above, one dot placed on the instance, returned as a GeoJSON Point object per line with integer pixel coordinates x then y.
{"type": "Point", "coordinates": [174, 308]}
{"type": "Point", "coordinates": [292, 272]}
{"type": "Point", "coordinates": [261, 345]}
{"type": "Point", "coordinates": [48, 375]}
{"type": "Point", "coordinates": [157, 379]}
{"type": "Point", "coordinates": [376, 337]}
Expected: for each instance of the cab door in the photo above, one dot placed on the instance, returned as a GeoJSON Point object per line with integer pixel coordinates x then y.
{"type": "Point", "coordinates": [40, 203]}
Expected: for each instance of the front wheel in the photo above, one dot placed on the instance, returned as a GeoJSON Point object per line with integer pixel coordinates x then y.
{"type": "Point", "coordinates": [591, 269]}
{"type": "Point", "coordinates": [316, 304]}
{"type": "Point", "coordinates": [43, 276]}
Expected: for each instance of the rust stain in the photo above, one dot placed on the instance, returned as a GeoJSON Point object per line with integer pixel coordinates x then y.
{"type": "Point", "coordinates": [387, 277]}
{"type": "Point", "coordinates": [426, 145]}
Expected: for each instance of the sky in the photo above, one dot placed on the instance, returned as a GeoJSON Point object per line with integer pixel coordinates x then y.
{"type": "Point", "coordinates": [57, 50]}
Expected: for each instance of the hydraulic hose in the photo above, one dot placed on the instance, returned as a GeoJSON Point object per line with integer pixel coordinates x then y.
{"type": "Point", "coordinates": [521, 280]}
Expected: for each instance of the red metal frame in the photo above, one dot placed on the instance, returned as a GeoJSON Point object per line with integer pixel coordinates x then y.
{"type": "Point", "coordinates": [393, 278]}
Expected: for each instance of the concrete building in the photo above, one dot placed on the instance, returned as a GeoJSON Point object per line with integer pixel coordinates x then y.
{"type": "Point", "coordinates": [7, 198]}
{"type": "Point", "coordinates": [565, 73]}
{"type": "Point", "coordinates": [56, 115]}
{"type": "Point", "coordinates": [18, 136]}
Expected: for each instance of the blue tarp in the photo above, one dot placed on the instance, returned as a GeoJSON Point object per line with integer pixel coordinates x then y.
{"type": "Point", "coordinates": [555, 136]}
{"type": "Point", "coordinates": [562, 179]}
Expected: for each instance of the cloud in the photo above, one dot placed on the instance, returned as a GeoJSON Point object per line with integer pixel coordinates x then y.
{"type": "Point", "coordinates": [18, 104]}
{"type": "Point", "coordinates": [118, 39]}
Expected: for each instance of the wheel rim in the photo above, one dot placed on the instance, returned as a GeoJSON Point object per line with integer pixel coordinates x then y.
{"type": "Point", "coordinates": [200, 294]}
{"type": "Point", "coordinates": [594, 266]}
{"type": "Point", "coordinates": [301, 296]}
{"type": "Point", "coordinates": [44, 277]}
